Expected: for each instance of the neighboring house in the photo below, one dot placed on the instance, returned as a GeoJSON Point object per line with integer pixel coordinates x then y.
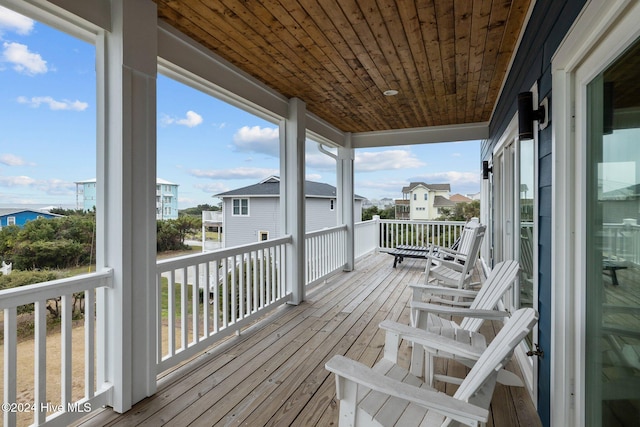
{"type": "Point", "coordinates": [166, 197]}
{"type": "Point", "coordinates": [21, 216]}
{"type": "Point", "coordinates": [459, 198]}
{"type": "Point", "coordinates": [252, 213]}
{"type": "Point", "coordinates": [474, 196]}
{"type": "Point", "coordinates": [426, 201]}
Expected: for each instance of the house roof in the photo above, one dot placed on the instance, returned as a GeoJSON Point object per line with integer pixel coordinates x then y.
{"type": "Point", "coordinates": [432, 187]}
{"type": "Point", "coordinates": [270, 187]}
{"type": "Point", "coordinates": [13, 211]}
{"type": "Point", "coordinates": [448, 60]}
{"type": "Point", "coordinates": [443, 202]}
{"type": "Point", "coordinates": [459, 198]}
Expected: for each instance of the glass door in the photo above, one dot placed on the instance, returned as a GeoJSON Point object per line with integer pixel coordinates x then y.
{"type": "Point", "coordinates": [613, 244]}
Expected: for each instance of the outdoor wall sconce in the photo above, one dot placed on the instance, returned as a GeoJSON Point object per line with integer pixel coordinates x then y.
{"type": "Point", "coordinates": [527, 115]}
{"type": "Point", "coordinates": [486, 169]}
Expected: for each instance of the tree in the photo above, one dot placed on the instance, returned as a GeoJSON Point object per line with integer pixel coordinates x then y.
{"type": "Point", "coordinates": [198, 210]}
{"type": "Point", "coordinates": [461, 212]}
{"type": "Point", "coordinates": [388, 213]}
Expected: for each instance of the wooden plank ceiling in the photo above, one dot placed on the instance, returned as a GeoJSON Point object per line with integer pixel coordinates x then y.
{"type": "Point", "coordinates": [446, 59]}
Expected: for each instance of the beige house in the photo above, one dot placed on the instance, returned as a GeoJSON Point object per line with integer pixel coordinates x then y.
{"type": "Point", "coordinates": [424, 201]}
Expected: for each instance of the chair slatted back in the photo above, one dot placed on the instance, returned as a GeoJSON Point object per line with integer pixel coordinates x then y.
{"type": "Point", "coordinates": [465, 243]}
{"type": "Point", "coordinates": [499, 281]}
{"type": "Point", "coordinates": [497, 354]}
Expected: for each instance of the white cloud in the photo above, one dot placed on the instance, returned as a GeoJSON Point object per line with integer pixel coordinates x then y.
{"type": "Point", "coordinates": [12, 160]}
{"type": "Point", "coordinates": [455, 178]}
{"type": "Point", "coordinates": [212, 187]}
{"type": "Point", "coordinates": [313, 177]}
{"type": "Point", "coordinates": [17, 181]}
{"type": "Point", "coordinates": [23, 60]}
{"type": "Point", "coordinates": [320, 161]}
{"type": "Point", "coordinates": [456, 155]}
{"type": "Point", "coordinates": [47, 186]}
{"type": "Point", "coordinates": [191, 119]}
{"type": "Point", "coordinates": [12, 21]}
{"type": "Point", "coordinates": [256, 139]}
{"type": "Point", "coordinates": [372, 161]}
{"type": "Point", "coordinates": [53, 104]}
{"type": "Point", "coordinates": [235, 173]}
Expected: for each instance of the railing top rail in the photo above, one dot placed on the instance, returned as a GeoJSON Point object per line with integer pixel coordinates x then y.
{"type": "Point", "coordinates": [369, 221]}
{"type": "Point", "coordinates": [28, 294]}
{"type": "Point", "coordinates": [188, 260]}
{"type": "Point", "coordinates": [407, 221]}
{"type": "Point", "coordinates": [325, 231]}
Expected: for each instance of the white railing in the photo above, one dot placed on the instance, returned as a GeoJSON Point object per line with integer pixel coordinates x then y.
{"type": "Point", "coordinates": [621, 242]}
{"type": "Point", "coordinates": [205, 297]}
{"type": "Point", "coordinates": [325, 252]}
{"type": "Point", "coordinates": [418, 233]}
{"type": "Point", "coordinates": [201, 299]}
{"type": "Point", "coordinates": [68, 405]}
{"type": "Point", "coordinates": [366, 237]}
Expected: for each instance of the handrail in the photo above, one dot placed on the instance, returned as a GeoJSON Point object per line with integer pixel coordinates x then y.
{"type": "Point", "coordinates": [28, 294]}
{"type": "Point", "coordinates": [325, 231]}
{"type": "Point", "coordinates": [192, 259]}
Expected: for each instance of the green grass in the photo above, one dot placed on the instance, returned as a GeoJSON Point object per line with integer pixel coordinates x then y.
{"type": "Point", "coordinates": [177, 298]}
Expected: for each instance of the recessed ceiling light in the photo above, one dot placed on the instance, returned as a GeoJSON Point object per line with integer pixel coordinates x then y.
{"type": "Point", "coordinates": [390, 92]}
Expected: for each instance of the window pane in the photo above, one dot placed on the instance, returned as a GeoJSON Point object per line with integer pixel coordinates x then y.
{"type": "Point", "coordinates": [613, 245]}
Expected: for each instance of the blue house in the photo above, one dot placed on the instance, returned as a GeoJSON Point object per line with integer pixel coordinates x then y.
{"type": "Point", "coordinates": [166, 197]}
{"type": "Point", "coordinates": [21, 216]}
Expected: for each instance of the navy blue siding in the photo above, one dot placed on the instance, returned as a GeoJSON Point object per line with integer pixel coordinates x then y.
{"type": "Point", "coordinates": [548, 25]}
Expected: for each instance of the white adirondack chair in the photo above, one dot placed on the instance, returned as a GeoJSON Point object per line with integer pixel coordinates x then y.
{"type": "Point", "coordinates": [460, 249]}
{"type": "Point", "coordinates": [436, 317]}
{"type": "Point", "coordinates": [388, 395]}
{"type": "Point", "coordinates": [454, 268]}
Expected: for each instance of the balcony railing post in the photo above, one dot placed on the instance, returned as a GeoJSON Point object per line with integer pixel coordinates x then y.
{"type": "Point", "coordinates": [378, 224]}
{"type": "Point", "coordinates": [292, 195]}
{"type": "Point", "coordinates": [346, 199]}
{"type": "Point", "coordinates": [126, 180]}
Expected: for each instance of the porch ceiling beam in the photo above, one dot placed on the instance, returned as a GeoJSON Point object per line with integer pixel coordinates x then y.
{"type": "Point", "coordinates": [423, 135]}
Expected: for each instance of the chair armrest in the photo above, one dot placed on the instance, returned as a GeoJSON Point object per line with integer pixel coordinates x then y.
{"type": "Point", "coordinates": [437, 294]}
{"type": "Point", "coordinates": [453, 265]}
{"type": "Point", "coordinates": [460, 256]}
{"type": "Point", "coordinates": [443, 310]}
{"type": "Point", "coordinates": [458, 410]}
{"type": "Point", "coordinates": [432, 341]}
{"type": "Point", "coordinates": [442, 291]}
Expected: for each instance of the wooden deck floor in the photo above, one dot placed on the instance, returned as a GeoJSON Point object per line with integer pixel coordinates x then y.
{"type": "Point", "coordinates": [273, 374]}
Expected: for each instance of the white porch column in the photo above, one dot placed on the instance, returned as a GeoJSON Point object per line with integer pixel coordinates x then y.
{"type": "Point", "coordinates": [292, 195]}
{"type": "Point", "coordinates": [345, 197]}
{"type": "Point", "coordinates": [126, 180]}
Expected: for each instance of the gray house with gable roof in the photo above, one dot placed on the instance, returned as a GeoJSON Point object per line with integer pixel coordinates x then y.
{"type": "Point", "coordinates": [252, 213]}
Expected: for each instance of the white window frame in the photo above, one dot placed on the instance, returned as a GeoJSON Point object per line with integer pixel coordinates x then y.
{"type": "Point", "coordinates": [600, 34]}
{"type": "Point", "coordinates": [240, 199]}
{"type": "Point", "coordinates": [507, 141]}
{"type": "Point", "coordinates": [11, 220]}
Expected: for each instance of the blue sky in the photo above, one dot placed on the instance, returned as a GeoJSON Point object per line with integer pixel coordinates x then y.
{"type": "Point", "coordinates": [47, 142]}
